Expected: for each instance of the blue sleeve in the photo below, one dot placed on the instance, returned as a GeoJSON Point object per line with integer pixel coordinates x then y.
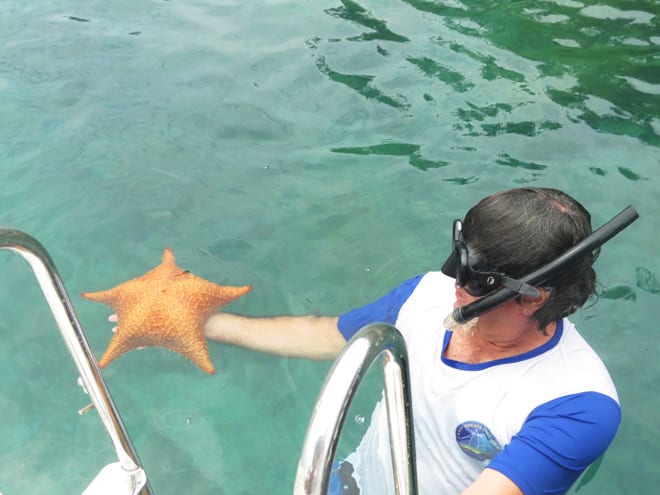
{"type": "Point", "coordinates": [384, 310]}
{"type": "Point", "coordinates": [558, 441]}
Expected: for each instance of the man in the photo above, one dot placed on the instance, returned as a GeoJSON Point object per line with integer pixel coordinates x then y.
{"type": "Point", "coordinates": [517, 403]}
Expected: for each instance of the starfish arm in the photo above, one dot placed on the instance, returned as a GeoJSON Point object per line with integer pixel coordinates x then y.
{"type": "Point", "coordinates": [225, 295]}
{"type": "Point", "coordinates": [120, 343]}
{"type": "Point", "coordinates": [206, 296]}
{"type": "Point", "coordinates": [107, 297]}
{"type": "Point", "coordinates": [125, 294]}
{"type": "Point", "coordinates": [192, 346]}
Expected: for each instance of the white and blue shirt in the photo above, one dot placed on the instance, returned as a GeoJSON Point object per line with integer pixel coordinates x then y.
{"type": "Point", "coordinates": [540, 418]}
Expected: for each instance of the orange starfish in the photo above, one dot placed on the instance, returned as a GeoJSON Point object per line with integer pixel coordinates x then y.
{"type": "Point", "coordinates": [166, 307]}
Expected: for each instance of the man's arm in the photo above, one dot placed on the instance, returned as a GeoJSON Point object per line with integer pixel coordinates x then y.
{"type": "Point", "coordinates": [491, 482]}
{"type": "Point", "coordinates": [312, 337]}
{"type": "Point", "coordinates": [556, 443]}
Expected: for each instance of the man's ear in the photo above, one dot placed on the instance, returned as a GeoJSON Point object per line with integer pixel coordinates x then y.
{"type": "Point", "coordinates": [531, 304]}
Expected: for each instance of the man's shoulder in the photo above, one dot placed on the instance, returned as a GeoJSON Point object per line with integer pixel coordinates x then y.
{"type": "Point", "coordinates": [432, 289]}
{"type": "Point", "coordinates": [570, 367]}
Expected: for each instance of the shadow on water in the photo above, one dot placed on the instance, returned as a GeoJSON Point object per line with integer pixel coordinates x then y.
{"type": "Point", "coordinates": [646, 280]}
{"type": "Point", "coordinates": [362, 84]}
{"type": "Point", "coordinates": [412, 151]}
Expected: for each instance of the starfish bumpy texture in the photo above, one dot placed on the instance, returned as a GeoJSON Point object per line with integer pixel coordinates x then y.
{"type": "Point", "coordinates": [166, 307]}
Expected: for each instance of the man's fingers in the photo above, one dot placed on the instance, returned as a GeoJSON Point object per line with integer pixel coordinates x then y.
{"type": "Point", "coordinates": [113, 318]}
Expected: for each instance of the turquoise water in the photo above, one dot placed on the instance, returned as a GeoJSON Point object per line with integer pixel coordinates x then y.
{"type": "Point", "coordinates": [318, 151]}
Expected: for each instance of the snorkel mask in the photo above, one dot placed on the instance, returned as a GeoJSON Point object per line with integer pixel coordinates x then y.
{"type": "Point", "coordinates": [497, 288]}
{"type": "Point", "coordinates": [465, 268]}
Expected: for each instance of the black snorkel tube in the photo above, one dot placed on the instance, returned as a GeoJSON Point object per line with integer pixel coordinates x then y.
{"type": "Point", "coordinates": [540, 275]}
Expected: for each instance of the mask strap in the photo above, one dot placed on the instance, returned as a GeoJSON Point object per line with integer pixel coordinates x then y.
{"type": "Point", "coordinates": [519, 286]}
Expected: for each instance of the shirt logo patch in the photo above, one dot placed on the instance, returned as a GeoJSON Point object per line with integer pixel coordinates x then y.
{"type": "Point", "coordinates": [477, 441]}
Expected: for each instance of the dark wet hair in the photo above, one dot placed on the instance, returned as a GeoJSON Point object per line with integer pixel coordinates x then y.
{"type": "Point", "coordinates": [519, 230]}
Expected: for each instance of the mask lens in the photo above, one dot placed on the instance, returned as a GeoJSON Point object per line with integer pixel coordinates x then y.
{"type": "Point", "coordinates": [466, 277]}
{"type": "Point", "coordinates": [460, 254]}
{"type": "Point", "coordinates": [462, 266]}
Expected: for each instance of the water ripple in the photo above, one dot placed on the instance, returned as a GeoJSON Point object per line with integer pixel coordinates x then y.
{"type": "Point", "coordinates": [431, 68]}
{"type": "Point", "coordinates": [353, 11]}
{"type": "Point", "coordinates": [362, 84]}
{"type": "Point", "coordinates": [412, 151]}
{"type": "Point", "coordinates": [611, 13]}
{"type": "Point", "coordinates": [568, 38]}
{"type": "Point", "coordinates": [509, 161]}
{"type": "Point", "coordinates": [646, 280]}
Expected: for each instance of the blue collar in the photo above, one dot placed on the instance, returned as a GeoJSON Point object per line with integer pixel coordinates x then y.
{"type": "Point", "coordinates": [513, 359]}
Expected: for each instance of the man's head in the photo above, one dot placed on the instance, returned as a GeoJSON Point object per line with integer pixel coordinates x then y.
{"type": "Point", "coordinates": [517, 231]}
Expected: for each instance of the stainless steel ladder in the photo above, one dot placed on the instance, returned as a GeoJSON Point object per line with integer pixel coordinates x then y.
{"type": "Point", "coordinates": [125, 477]}
{"type": "Point", "coordinates": [339, 389]}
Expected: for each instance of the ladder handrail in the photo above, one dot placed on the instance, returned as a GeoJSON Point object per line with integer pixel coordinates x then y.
{"type": "Point", "coordinates": [337, 392]}
{"type": "Point", "coordinates": [76, 341]}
